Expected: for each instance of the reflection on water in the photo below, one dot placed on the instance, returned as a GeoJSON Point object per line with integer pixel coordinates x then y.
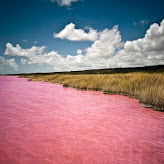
{"type": "Point", "coordinates": [45, 123]}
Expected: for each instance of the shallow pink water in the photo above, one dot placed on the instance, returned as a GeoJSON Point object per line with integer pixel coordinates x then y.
{"type": "Point", "coordinates": [44, 123]}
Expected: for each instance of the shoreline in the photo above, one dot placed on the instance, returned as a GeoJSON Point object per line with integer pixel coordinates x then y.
{"type": "Point", "coordinates": [80, 82]}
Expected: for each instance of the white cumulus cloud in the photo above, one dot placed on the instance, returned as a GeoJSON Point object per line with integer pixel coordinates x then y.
{"type": "Point", "coordinates": [70, 33]}
{"type": "Point", "coordinates": [18, 51]}
{"type": "Point", "coordinates": [64, 2]}
{"type": "Point", "coordinates": [8, 64]}
{"type": "Point", "coordinates": [12, 63]}
{"type": "Point", "coordinates": [145, 51]}
{"type": "Point", "coordinates": [107, 43]}
{"type": "Point", "coordinates": [79, 52]}
{"type": "Point", "coordinates": [23, 61]}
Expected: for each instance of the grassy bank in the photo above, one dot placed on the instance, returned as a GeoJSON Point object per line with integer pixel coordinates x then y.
{"type": "Point", "coordinates": [147, 87]}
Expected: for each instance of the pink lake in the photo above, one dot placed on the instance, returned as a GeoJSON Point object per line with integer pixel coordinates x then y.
{"type": "Point", "coordinates": [44, 123]}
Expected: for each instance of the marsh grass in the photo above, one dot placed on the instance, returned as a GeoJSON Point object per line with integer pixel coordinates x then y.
{"type": "Point", "coordinates": [147, 87]}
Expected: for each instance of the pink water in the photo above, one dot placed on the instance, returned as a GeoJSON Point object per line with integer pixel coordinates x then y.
{"type": "Point", "coordinates": [43, 123]}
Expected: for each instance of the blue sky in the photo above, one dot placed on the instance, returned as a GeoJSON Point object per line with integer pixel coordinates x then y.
{"type": "Point", "coordinates": [33, 23]}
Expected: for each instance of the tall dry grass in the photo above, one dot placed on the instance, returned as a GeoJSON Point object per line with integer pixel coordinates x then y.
{"type": "Point", "coordinates": [147, 87]}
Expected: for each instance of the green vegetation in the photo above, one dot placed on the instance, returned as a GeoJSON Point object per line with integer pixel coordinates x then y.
{"type": "Point", "coordinates": [148, 88]}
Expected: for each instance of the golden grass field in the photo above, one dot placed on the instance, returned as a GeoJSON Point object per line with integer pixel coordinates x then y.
{"type": "Point", "coordinates": [148, 88]}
